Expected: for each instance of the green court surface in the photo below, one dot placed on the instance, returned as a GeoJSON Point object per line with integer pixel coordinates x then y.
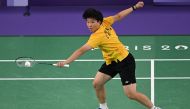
{"type": "Point", "coordinates": [162, 73]}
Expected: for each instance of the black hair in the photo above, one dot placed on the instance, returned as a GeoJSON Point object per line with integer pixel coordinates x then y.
{"type": "Point", "coordinates": [93, 13]}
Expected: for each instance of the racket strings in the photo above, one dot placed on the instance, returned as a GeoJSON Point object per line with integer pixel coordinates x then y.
{"type": "Point", "coordinates": [25, 62]}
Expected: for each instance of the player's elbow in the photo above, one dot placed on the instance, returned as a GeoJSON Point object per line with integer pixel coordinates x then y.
{"type": "Point", "coordinates": [118, 17]}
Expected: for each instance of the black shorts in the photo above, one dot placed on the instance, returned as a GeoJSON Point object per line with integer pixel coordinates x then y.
{"type": "Point", "coordinates": [125, 68]}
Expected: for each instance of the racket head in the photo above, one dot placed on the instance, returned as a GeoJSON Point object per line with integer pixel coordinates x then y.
{"type": "Point", "coordinates": [25, 62]}
{"type": "Point", "coordinates": [30, 62]}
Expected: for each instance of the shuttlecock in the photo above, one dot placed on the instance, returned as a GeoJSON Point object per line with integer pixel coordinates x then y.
{"type": "Point", "coordinates": [27, 64]}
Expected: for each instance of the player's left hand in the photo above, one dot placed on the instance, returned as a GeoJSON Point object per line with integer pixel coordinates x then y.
{"type": "Point", "coordinates": [140, 4]}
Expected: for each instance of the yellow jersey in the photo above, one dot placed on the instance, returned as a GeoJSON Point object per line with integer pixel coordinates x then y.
{"type": "Point", "coordinates": [107, 40]}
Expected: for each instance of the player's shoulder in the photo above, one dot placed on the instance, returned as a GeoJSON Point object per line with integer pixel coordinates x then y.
{"type": "Point", "coordinates": [108, 20]}
{"type": "Point", "coordinates": [98, 34]}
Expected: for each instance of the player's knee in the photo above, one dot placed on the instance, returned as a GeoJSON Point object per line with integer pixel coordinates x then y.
{"type": "Point", "coordinates": [131, 95]}
{"type": "Point", "coordinates": [97, 85]}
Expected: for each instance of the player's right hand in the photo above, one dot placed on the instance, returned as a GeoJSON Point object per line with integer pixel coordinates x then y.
{"type": "Point", "coordinates": [61, 64]}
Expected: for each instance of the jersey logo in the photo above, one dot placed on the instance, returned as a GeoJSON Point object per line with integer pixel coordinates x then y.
{"type": "Point", "coordinates": [107, 32]}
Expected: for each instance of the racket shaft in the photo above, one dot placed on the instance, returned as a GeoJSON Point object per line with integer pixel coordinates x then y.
{"type": "Point", "coordinates": [67, 65]}
{"type": "Point", "coordinates": [44, 63]}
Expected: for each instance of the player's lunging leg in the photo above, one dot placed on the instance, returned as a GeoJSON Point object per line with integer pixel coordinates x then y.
{"type": "Point", "coordinates": [132, 93]}
{"type": "Point", "coordinates": [98, 83]}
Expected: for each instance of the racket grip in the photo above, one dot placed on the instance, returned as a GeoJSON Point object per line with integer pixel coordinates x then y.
{"type": "Point", "coordinates": [67, 65]}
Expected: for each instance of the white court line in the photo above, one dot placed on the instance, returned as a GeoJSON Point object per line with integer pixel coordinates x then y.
{"type": "Point", "coordinates": [95, 60]}
{"type": "Point", "coordinates": [99, 60]}
{"type": "Point", "coordinates": [172, 78]}
{"type": "Point", "coordinates": [140, 78]}
{"type": "Point", "coordinates": [152, 81]}
{"type": "Point", "coordinates": [57, 78]}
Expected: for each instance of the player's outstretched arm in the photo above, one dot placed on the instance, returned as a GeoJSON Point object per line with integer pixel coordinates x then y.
{"type": "Point", "coordinates": [75, 55]}
{"type": "Point", "coordinates": [124, 13]}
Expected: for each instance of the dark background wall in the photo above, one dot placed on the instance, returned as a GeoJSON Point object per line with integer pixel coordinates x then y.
{"type": "Point", "coordinates": [99, 2]}
{"type": "Point", "coordinates": [85, 2]}
{"type": "Point", "coordinates": [2, 3]}
{"type": "Point", "coordinates": [172, 2]}
{"type": "Point", "coordinates": [80, 2]}
{"type": "Point", "coordinates": [67, 20]}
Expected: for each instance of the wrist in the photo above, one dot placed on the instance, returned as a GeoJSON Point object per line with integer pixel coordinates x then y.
{"type": "Point", "coordinates": [134, 8]}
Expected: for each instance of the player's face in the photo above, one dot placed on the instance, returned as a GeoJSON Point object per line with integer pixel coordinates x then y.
{"type": "Point", "coordinates": [92, 24]}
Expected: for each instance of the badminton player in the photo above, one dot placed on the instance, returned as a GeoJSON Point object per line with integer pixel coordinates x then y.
{"type": "Point", "coordinates": [117, 58]}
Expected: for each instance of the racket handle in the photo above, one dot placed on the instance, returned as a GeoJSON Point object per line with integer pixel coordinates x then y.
{"type": "Point", "coordinates": [67, 65]}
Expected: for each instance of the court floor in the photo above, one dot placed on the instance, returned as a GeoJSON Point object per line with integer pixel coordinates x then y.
{"type": "Point", "coordinates": [162, 73]}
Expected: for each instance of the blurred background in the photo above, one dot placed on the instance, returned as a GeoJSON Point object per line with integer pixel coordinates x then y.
{"type": "Point", "coordinates": [64, 17]}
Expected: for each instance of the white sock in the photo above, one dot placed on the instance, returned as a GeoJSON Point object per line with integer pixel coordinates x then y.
{"type": "Point", "coordinates": [153, 107]}
{"type": "Point", "coordinates": [103, 106]}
